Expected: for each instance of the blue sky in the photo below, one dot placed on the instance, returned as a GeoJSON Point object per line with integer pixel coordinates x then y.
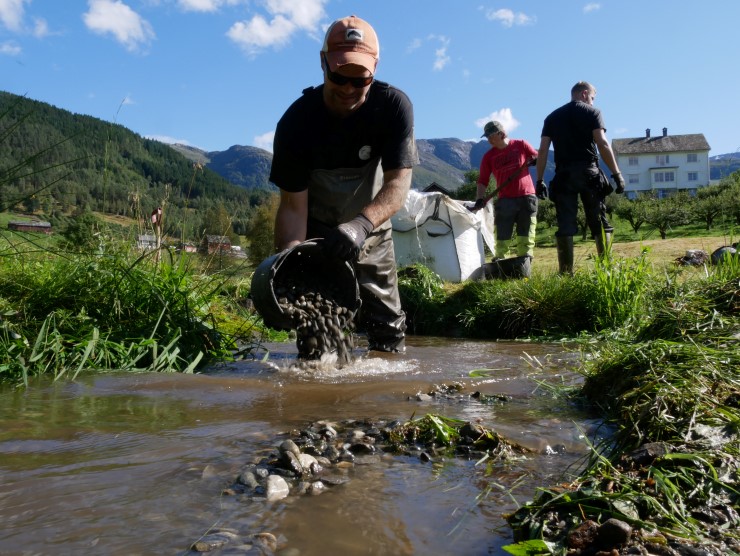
{"type": "Point", "coordinates": [217, 73]}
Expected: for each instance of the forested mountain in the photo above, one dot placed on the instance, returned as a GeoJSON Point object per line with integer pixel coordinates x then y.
{"type": "Point", "coordinates": [54, 162]}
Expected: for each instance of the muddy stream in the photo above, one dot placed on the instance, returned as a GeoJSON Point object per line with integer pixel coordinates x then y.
{"type": "Point", "coordinates": [138, 464]}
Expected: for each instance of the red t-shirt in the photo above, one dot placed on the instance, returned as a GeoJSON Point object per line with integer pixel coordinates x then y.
{"type": "Point", "coordinates": [502, 163]}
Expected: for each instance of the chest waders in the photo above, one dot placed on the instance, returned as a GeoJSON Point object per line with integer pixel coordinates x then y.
{"type": "Point", "coordinates": [337, 196]}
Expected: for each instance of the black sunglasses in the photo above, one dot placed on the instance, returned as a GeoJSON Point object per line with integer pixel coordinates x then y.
{"type": "Point", "coordinates": [342, 80]}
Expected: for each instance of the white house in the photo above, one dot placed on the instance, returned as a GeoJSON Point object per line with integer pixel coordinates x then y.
{"type": "Point", "coordinates": [663, 164]}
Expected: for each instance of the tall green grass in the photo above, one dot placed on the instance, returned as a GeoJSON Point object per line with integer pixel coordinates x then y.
{"type": "Point", "coordinates": [543, 306]}
{"type": "Point", "coordinates": [668, 377]}
{"type": "Point", "coordinates": [63, 313]}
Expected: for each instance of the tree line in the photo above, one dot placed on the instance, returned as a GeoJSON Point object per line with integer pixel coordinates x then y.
{"type": "Point", "coordinates": [708, 207]}
{"type": "Point", "coordinates": [56, 164]}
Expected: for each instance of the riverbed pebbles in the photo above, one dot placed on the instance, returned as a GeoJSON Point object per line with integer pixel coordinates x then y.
{"type": "Point", "coordinates": [316, 459]}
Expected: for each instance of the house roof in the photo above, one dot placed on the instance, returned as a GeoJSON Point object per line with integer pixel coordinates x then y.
{"type": "Point", "coordinates": [661, 144]}
{"type": "Point", "coordinates": [31, 223]}
{"type": "Point", "coordinates": [217, 239]}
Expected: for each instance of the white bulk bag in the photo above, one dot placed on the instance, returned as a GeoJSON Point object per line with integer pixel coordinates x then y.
{"type": "Point", "coordinates": [442, 234]}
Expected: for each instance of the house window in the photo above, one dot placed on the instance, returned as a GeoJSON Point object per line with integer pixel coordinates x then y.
{"type": "Point", "coordinates": [661, 177]}
{"type": "Point", "coordinates": [691, 157]}
{"type": "Point", "coordinates": [693, 176]}
{"type": "Point", "coordinates": [633, 161]}
{"type": "Point", "coordinates": [662, 159]}
{"type": "Point", "coordinates": [633, 178]}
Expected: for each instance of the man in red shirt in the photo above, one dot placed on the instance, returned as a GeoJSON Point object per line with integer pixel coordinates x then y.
{"type": "Point", "coordinates": [516, 205]}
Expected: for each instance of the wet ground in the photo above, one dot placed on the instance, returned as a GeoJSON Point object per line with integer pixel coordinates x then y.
{"type": "Point", "coordinates": [136, 464]}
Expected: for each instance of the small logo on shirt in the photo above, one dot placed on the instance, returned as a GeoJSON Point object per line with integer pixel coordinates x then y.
{"type": "Point", "coordinates": [365, 152]}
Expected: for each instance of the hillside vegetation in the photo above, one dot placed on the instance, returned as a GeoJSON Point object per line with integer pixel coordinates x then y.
{"type": "Point", "coordinates": [55, 163]}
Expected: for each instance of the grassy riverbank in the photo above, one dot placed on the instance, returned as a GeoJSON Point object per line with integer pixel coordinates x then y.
{"type": "Point", "coordinates": [661, 363]}
{"type": "Point", "coordinates": [669, 380]}
{"type": "Point", "coordinates": [661, 359]}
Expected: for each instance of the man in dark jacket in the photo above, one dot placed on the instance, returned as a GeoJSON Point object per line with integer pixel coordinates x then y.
{"type": "Point", "coordinates": [578, 134]}
{"type": "Point", "coordinates": [343, 154]}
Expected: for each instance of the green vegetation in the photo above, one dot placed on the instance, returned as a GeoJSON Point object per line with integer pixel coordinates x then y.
{"type": "Point", "coordinates": [544, 306]}
{"type": "Point", "coordinates": [661, 343]}
{"type": "Point", "coordinates": [54, 163]}
{"type": "Point", "coordinates": [110, 308]}
{"type": "Point", "coordinates": [669, 381]}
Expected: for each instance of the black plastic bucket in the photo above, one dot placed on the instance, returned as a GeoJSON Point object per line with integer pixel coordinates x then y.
{"type": "Point", "coordinates": [304, 267]}
{"type": "Point", "coordinates": [511, 268]}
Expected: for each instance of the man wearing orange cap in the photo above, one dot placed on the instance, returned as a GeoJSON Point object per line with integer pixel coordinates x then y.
{"type": "Point", "coordinates": [342, 158]}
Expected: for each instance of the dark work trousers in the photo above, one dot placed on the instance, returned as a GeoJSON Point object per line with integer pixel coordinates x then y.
{"type": "Point", "coordinates": [570, 183]}
{"type": "Point", "coordinates": [381, 316]}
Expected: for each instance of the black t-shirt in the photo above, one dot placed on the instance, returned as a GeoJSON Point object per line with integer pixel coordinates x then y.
{"type": "Point", "coordinates": [571, 129]}
{"type": "Point", "coordinates": [308, 137]}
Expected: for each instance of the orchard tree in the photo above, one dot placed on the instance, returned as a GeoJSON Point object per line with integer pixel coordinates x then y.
{"type": "Point", "coordinates": [665, 213]}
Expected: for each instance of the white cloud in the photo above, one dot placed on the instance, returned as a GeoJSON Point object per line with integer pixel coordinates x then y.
{"type": "Point", "coordinates": [504, 116]}
{"type": "Point", "coordinates": [508, 18]}
{"type": "Point", "coordinates": [168, 140]}
{"type": "Point", "coordinates": [40, 28]}
{"type": "Point", "coordinates": [591, 7]}
{"type": "Point", "coordinates": [9, 48]}
{"type": "Point", "coordinates": [413, 45]}
{"type": "Point", "coordinates": [11, 13]}
{"type": "Point", "coordinates": [285, 17]}
{"type": "Point", "coordinates": [116, 18]}
{"type": "Point", "coordinates": [441, 58]}
{"type": "Point", "coordinates": [205, 5]}
{"type": "Point", "coordinates": [264, 141]}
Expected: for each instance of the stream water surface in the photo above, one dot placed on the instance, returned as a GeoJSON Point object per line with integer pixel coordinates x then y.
{"type": "Point", "coordinates": [138, 463]}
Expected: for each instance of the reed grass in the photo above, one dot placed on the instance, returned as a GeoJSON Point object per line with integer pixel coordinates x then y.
{"type": "Point", "coordinates": [669, 376]}
{"type": "Point", "coordinates": [65, 313]}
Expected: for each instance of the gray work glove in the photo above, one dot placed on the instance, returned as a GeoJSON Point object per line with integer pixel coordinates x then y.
{"type": "Point", "coordinates": [345, 241]}
{"type": "Point", "coordinates": [479, 204]}
{"type": "Point", "coordinates": [619, 180]}
{"type": "Point", "coordinates": [541, 190]}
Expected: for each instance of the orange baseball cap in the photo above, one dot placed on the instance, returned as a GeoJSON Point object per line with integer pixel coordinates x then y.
{"type": "Point", "coordinates": [351, 40]}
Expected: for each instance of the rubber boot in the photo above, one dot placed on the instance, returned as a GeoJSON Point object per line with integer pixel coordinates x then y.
{"type": "Point", "coordinates": [502, 248]}
{"type": "Point", "coordinates": [565, 254]}
{"type": "Point", "coordinates": [603, 244]}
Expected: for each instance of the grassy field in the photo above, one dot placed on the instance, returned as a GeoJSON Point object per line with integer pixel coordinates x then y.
{"type": "Point", "coordinates": [661, 252]}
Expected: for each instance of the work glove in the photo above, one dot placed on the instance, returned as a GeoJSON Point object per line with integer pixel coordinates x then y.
{"type": "Point", "coordinates": [541, 189]}
{"type": "Point", "coordinates": [479, 204]}
{"type": "Point", "coordinates": [619, 180]}
{"type": "Point", "coordinates": [345, 241]}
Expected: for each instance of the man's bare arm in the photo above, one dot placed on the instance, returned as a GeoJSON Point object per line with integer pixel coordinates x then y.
{"type": "Point", "coordinates": [542, 156]}
{"type": "Point", "coordinates": [291, 219]}
{"type": "Point", "coordinates": [605, 150]}
{"type": "Point", "coordinates": [390, 198]}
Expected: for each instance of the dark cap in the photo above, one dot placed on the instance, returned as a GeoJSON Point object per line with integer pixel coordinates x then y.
{"type": "Point", "coordinates": [492, 127]}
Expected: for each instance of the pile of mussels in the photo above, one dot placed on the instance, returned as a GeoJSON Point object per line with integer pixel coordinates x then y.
{"type": "Point", "coordinates": [322, 325]}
